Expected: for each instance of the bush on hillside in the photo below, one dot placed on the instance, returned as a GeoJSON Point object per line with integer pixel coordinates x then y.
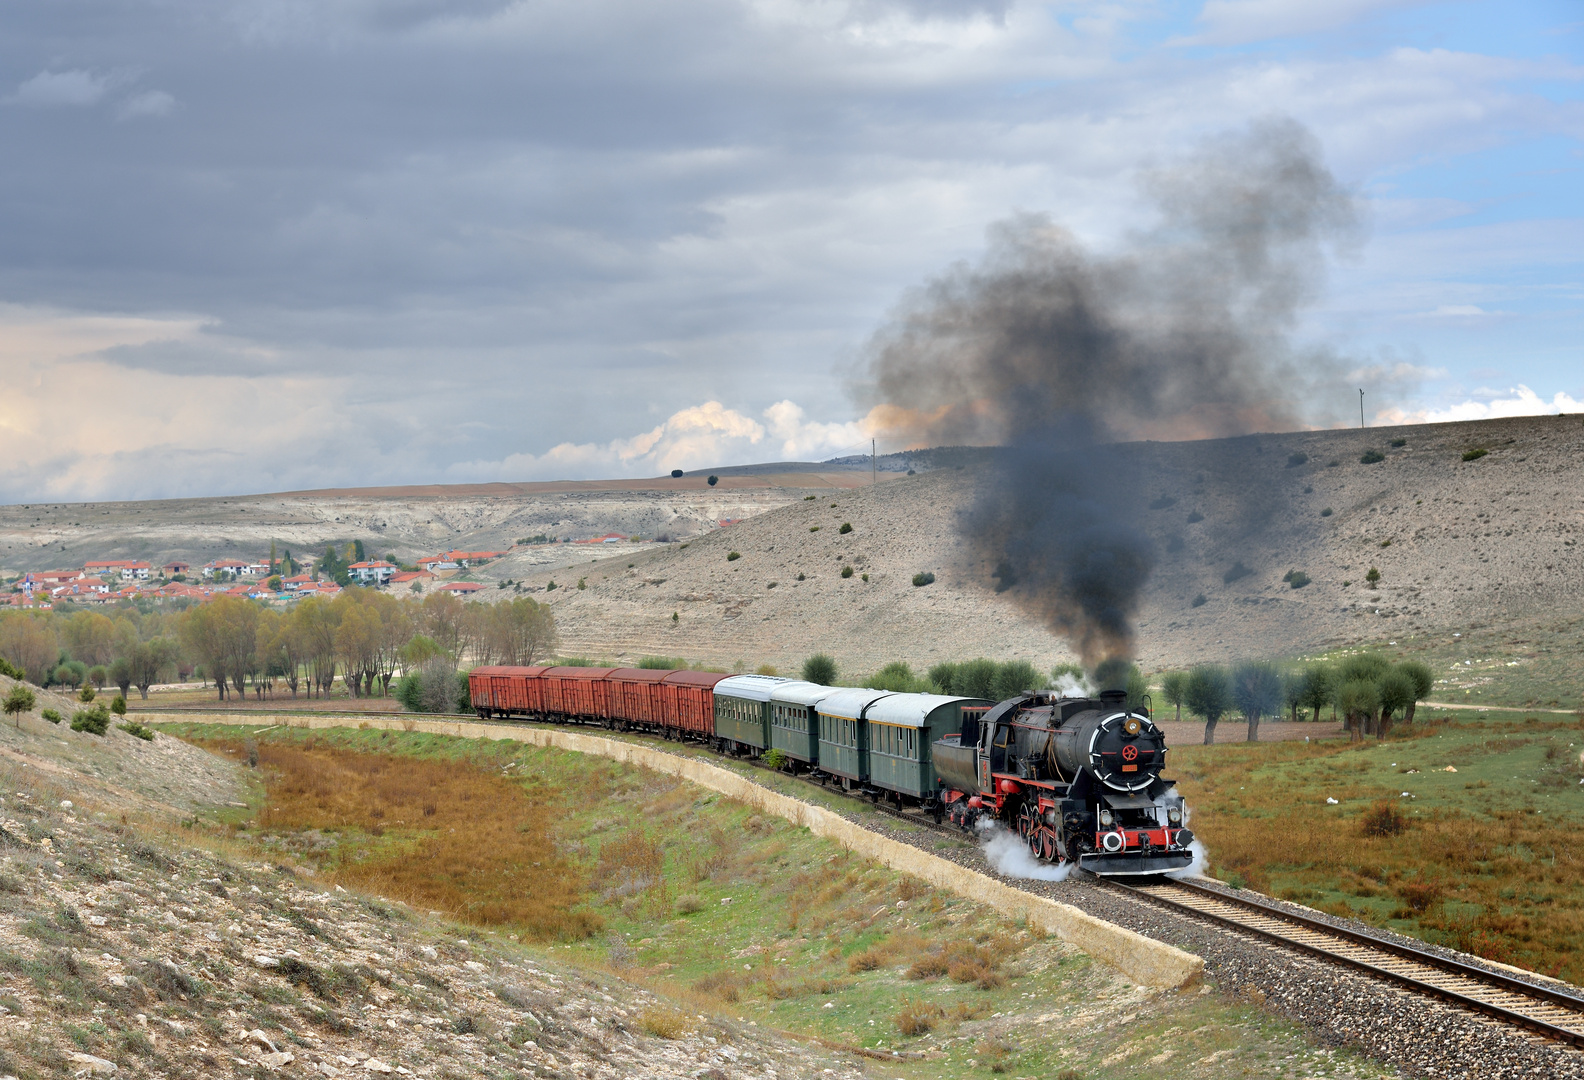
{"type": "Point", "coordinates": [922, 579]}
{"type": "Point", "coordinates": [1475, 454]}
{"type": "Point", "coordinates": [95, 720]}
{"type": "Point", "coordinates": [846, 528]}
{"type": "Point", "coordinates": [1296, 459]}
{"type": "Point", "coordinates": [434, 687]}
{"type": "Point", "coordinates": [820, 669]}
{"type": "Point", "coordinates": [118, 705]}
{"type": "Point", "coordinates": [51, 715]}
{"type": "Point", "coordinates": [1370, 457]}
{"type": "Point", "coordinates": [897, 677]}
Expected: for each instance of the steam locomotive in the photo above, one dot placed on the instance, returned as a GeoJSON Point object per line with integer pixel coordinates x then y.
{"type": "Point", "coordinates": [1080, 777]}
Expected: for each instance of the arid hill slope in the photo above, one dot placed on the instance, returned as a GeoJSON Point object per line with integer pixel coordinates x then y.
{"type": "Point", "coordinates": [1488, 542]}
{"type": "Point", "coordinates": [407, 521]}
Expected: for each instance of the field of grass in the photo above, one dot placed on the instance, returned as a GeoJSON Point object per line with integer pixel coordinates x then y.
{"type": "Point", "coordinates": [727, 912]}
{"type": "Point", "coordinates": [1459, 831]}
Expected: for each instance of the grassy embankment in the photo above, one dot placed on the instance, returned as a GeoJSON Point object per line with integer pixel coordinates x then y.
{"type": "Point", "coordinates": [722, 910]}
{"type": "Point", "coordinates": [1481, 858]}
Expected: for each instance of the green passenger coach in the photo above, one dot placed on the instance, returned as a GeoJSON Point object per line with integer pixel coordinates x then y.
{"type": "Point", "coordinates": [742, 713]}
{"type": "Point", "coordinates": [843, 735]}
{"type": "Point", "coordinates": [902, 729]}
{"type": "Point", "coordinates": [794, 723]}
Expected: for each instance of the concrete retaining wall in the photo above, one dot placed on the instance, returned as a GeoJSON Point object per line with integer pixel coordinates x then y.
{"type": "Point", "coordinates": [1141, 959]}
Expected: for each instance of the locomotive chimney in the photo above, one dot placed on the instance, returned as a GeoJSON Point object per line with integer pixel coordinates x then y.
{"type": "Point", "coordinates": [1113, 699]}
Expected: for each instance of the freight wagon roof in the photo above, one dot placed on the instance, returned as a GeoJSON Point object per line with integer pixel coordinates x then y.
{"type": "Point", "coordinates": [798, 692]}
{"type": "Point", "coordinates": [502, 669]}
{"type": "Point", "coordinates": [693, 678]}
{"type": "Point", "coordinates": [579, 672]}
{"type": "Point", "coordinates": [850, 704]}
{"type": "Point", "coordinates": [640, 675]}
{"type": "Point", "coordinates": [749, 687]}
{"type": "Point", "coordinates": [914, 710]}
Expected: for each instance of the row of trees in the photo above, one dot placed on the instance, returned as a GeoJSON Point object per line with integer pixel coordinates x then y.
{"type": "Point", "coordinates": [363, 637]}
{"type": "Point", "coordinates": [1367, 691]}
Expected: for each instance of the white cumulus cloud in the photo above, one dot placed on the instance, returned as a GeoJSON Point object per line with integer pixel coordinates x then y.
{"type": "Point", "coordinates": [1520, 401]}
{"type": "Point", "coordinates": [697, 437]}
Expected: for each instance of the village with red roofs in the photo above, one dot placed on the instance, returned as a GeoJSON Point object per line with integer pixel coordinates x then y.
{"type": "Point", "coordinates": [109, 581]}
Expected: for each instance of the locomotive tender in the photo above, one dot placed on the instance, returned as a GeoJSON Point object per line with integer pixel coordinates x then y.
{"type": "Point", "coordinates": [1078, 778]}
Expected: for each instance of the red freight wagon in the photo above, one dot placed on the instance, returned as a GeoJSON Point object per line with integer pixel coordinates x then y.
{"type": "Point", "coordinates": [577, 692]}
{"type": "Point", "coordinates": [635, 695]}
{"type": "Point", "coordinates": [688, 702]}
{"type": "Point", "coordinates": [506, 691]}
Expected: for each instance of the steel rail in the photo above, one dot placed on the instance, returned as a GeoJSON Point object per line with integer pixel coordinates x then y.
{"type": "Point", "coordinates": [1500, 983]}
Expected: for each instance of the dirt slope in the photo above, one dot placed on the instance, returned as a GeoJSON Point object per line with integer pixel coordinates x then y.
{"type": "Point", "coordinates": [407, 521]}
{"type": "Point", "coordinates": [1492, 542]}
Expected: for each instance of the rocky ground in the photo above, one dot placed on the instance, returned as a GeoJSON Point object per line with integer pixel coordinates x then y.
{"type": "Point", "coordinates": [126, 949]}
{"type": "Point", "coordinates": [1490, 543]}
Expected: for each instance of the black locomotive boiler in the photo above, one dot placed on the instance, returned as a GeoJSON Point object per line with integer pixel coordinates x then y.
{"type": "Point", "coordinates": [1078, 778]}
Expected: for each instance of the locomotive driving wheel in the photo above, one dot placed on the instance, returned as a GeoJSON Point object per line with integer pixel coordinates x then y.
{"type": "Point", "coordinates": [1048, 845]}
{"type": "Point", "coordinates": [1025, 824]}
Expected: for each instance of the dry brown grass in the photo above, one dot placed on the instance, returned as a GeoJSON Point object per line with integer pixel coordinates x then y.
{"type": "Point", "coordinates": [664, 1023]}
{"type": "Point", "coordinates": [917, 1017]}
{"type": "Point", "coordinates": [1505, 885]}
{"type": "Point", "coordinates": [452, 837]}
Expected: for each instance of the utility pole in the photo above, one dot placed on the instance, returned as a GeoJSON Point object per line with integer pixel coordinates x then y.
{"type": "Point", "coordinates": [1361, 406]}
{"type": "Point", "coordinates": [874, 464]}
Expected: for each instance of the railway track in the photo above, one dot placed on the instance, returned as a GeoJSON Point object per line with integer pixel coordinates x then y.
{"type": "Point", "coordinates": [1552, 1013]}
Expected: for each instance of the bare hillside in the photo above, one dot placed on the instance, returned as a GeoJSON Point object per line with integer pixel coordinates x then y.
{"type": "Point", "coordinates": [1491, 542]}
{"type": "Point", "coordinates": [406, 521]}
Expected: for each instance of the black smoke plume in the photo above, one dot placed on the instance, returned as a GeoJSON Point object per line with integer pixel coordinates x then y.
{"type": "Point", "coordinates": [1062, 356]}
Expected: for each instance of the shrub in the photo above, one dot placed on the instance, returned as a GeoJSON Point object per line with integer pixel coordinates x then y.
{"type": "Point", "coordinates": [814, 528]}
{"type": "Point", "coordinates": [1399, 442]}
{"type": "Point", "coordinates": [51, 715]}
{"type": "Point", "coordinates": [808, 498]}
{"type": "Point", "coordinates": [662, 663]}
{"type": "Point", "coordinates": [1373, 577]}
{"type": "Point", "coordinates": [802, 577]}
{"type": "Point", "coordinates": [689, 905]}
{"type": "Point", "coordinates": [1238, 571]}
{"type": "Point", "coordinates": [1296, 459]}
{"type": "Point", "coordinates": [19, 701]}
{"type": "Point", "coordinates": [713, 480]}
{"type": "Point", "coordinates": [1327, 512]}
{"type": "Point", "coordinates": [976, 678]}
{"type": "Point", "coordinates": [917, 1017]}
{"type": "Point", "coordinates": [1296, 578]}
{"type": "Point", "coordinates": [775, 759]}
{"type": "Point", "coordinates": [766, 669]}
{"type": "Point", "coordinates": [820, 669]}
{"type": "Point", "coordinates": [846, 528]}
{"type": "Point", "coordinates": [1195, 517]}
{"type": "Point", "coordinates": [138, 731]}
{"type": "Point", "coordinates": [897, 677]}
{"type": "Point", "coordinates": [1370, 457]}
{"type": "Point", "coordinates": [1475, 454]}
{"type": "Point", "coordinates": [868, 960]}
{"type": "Point", "coordinates": [1199, 601]}
{"type": "Point", "coordinates": [95, 720]}
{"type": "Point", "coordinates": [733, 556]}
{"type": "Point", "coordinates": [866, 577]}
{"type": "Point", "coordinates": [922, 579]}
{"type": "Point", "coordinates": [582, 584]}
{"type": "Point", "coordinates": [9, 669]}
{"type": "Point", "coordinates": [1014, 677]}
{"type": "Point", "coordinates": [1383, 820]}
{"type": "Point", "coordinates": [118, 705]}
{"type": "Point", "coordinates": [676, 474]}
{"type": "Point", "coordinates": [929, 966]}
{"type": "Point", "coordinates": [86, 694]}
{"type": "Point", "coordinates": [847, 572]}
{"type": "Point", "coordinates": [551, 587]}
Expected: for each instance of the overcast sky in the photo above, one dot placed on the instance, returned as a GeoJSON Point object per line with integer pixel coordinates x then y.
{"type": "Point", "coordinates": [305, 243]}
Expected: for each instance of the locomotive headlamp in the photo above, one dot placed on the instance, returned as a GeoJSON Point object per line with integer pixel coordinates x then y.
{"type": "Point", "coordinates": [1132, 726]}
{"type": "Point", "coordinates": [1184, 837]}
{"type": "Point", "coordinates": [1174, 815]}
{"type": "Point", "coordinates": [1105, 818]}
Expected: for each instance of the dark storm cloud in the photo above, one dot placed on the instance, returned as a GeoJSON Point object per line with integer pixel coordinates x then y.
{"type": "Point", "coordinates": [1059, 353]}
